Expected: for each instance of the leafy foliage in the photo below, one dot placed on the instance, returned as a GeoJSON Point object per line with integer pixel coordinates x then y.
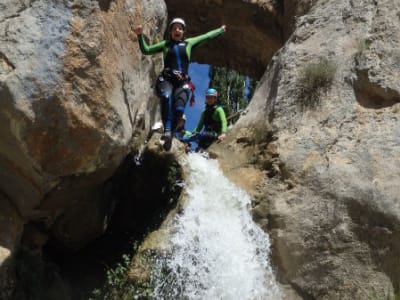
{"type": "Point", "coordinates": [117, 285]}
{"type": "Point", "coordinates": [234, 90]}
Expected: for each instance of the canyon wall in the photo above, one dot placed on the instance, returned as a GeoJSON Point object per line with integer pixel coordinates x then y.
{"type": "Point", "coordinates": [320, 159]}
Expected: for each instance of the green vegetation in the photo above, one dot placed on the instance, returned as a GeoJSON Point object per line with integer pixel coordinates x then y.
{"type": "Point", "coordinates": [153, 185]}
{"type": "Point", "coordinates": [315, 79]}
{"type": "Point", "coordinates": [117, 285]}
{"type": "Point", "coordinates": [362, 45]}
{"type": "Point", "coordinates": [231, 87]}
{"type": "Point", "coordinates": [121, 284]}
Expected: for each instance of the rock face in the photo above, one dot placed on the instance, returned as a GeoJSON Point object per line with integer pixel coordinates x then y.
{"type": "Point", "coordinates": [249, 23]}
{"type": "Point", "coordinates": [76, 97]}
{"type": "Point", "coordinates": [329, 195]}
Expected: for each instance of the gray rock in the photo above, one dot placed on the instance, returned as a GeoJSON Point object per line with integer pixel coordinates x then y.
{"type": "Point", "coordinates": [76, 97]}
{"type": "Point", "coordinates": [331, 198]}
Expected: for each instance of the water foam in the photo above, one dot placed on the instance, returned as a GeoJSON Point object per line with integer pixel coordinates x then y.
{"type": "Point", "coordinates": [219, 252]}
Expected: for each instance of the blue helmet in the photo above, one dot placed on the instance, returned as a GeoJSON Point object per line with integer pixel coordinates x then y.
{"type": "Point", "coordinates": [211, 92]}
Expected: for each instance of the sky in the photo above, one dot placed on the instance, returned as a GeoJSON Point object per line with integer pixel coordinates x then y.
{"type": "Point", "coordinates": [200, 78]}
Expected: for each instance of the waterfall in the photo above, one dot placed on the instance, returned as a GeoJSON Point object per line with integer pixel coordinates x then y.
{"type": "Point", "coordinates": [219, 252]}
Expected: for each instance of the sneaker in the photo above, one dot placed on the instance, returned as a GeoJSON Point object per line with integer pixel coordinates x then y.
{"type": "Point", "coordinates": [157, 126]}
{"type": "Point", "coordinates": [167, 138]}
{"type": "Point", "coordinates": [167, 135]}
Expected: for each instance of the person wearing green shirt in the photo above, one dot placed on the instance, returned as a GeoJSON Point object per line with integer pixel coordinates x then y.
{"type": "Point", "coordinates": [212, 124]}
{"type": "Point", "coordinates": [173, 84]}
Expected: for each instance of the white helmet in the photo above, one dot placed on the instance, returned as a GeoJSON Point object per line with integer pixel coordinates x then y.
{"type": "Point", "coordinates": [178, 21]}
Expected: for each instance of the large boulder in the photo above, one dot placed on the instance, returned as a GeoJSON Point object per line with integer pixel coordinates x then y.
{"type": "Point", "coordinates": [76, 97]}
{"type": "Point", "coordinates": [330, 153]}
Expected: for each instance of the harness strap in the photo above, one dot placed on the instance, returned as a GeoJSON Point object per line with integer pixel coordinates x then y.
{"type": "Point", "coordinates": [192, 99]}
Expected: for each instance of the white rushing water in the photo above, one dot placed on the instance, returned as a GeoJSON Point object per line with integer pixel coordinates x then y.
{"type": "Point", "coordinates": [219, 252]}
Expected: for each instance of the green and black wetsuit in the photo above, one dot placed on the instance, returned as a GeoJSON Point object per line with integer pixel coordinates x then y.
{"type": "Point", "coordinates": [212, 123]}
{"type": "Point", "coordinates": [212, 119]}
{"type": "Point", "coordinates": [173, 82]}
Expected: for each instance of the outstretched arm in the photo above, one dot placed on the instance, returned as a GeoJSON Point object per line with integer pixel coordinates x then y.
{"type": "Point", "coordinates": [195, 41]}
{"type": "Point", "coordinates": [144, 47]}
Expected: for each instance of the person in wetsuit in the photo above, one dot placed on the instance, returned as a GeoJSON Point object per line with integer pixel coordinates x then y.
{"type": "Point", "coordinates": [173, 84]}
{"type": "Point", "coordinates": [212, 124]}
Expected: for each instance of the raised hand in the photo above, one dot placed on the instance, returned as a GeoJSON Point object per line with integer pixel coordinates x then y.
{"type": "Point", "coordinates": [138, 29]}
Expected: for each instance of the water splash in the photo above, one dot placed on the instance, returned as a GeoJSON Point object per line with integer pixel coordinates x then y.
{"type": "Point", "coordinates": [219, 252]}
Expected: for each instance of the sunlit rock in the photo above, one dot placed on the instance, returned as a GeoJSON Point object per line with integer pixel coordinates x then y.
{"type": "Point", "coordinates": [330, 194]}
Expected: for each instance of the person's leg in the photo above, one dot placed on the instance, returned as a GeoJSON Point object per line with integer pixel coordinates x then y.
{"type": "Point", "coordinates": [206, 138]}
{"type": "Point", "coordinates": [191, 138]}
{"type": "Point", "coordinates": [164, 91]}
{"type": "Point", "coordinates": [181, 96]}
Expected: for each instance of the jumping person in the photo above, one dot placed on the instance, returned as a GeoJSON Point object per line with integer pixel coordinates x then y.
{"type": "Point", "coordinates": [212, 125]}
{"type": "Point", "coordinates": [173, 84]}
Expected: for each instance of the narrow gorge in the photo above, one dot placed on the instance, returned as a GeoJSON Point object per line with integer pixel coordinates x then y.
{"type": "Point", "coordinates": [316, 151]}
